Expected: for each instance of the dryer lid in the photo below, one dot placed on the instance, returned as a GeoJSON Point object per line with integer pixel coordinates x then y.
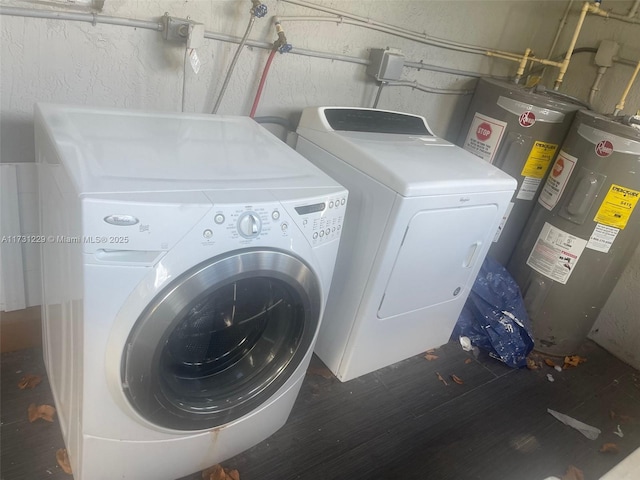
{"type": "Point", "coordinates": [115, 151]}
{"type": "Point", "coordinates": [412, 164]}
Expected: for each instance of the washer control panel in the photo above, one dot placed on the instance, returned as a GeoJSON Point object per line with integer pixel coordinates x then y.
{"type": "Point", "coordinates": [322, 221]}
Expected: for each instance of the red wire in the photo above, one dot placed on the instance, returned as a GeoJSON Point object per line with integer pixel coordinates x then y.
{"type": "Point", "coordinates": [263, 80]}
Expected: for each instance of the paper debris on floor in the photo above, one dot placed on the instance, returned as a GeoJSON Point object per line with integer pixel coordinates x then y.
{"type": "Point", "coordinates": [431, 356]}
{"type": "Point", "coordinates": [29, 381]}
{"type": "Point", "coordinates": [587, 430]}
{"type": "Point", "coordinates": [45, 412]}
{"type": "Point", "coordinates": [63, 460]}
{"type": "Point", "coordinates": [457, 379]}
{"type": "Point", "coordinates": [217, 472]}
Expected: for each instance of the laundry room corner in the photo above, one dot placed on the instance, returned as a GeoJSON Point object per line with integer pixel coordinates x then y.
{"type": "Point", "coordinates": [237, 236]}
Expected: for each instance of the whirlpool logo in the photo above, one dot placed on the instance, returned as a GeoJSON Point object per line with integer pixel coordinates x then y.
{"type": "Point", "coordinates": [121, 220]}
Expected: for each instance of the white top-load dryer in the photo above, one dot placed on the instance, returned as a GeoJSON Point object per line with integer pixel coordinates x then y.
{"type": "Point", "coordinates": [421, 217]}
{"type": "Point", "coordinates": [183, 284]}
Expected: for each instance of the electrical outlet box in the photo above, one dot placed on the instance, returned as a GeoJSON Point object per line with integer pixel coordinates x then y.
{"type": "Point", "coordinates": [606, 51]}
{"type": "Point", "coordinates": [386, 64]}
{"type": "Point", "coordinates": [183, 30]}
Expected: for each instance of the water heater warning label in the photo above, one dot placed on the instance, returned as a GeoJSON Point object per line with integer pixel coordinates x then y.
{"type": "Point", "coordinates": [557, 180]}
{"type": "Point", "coordinates": [602, 238]}
{"type": "Point", "coordinates": [556, 253]}
{"type": "Point", "coordinates": [617, 207]}
{"type": "Point", "coordinates": [535, 168]}
{"type": "Point", "coordinates": [485, 134]}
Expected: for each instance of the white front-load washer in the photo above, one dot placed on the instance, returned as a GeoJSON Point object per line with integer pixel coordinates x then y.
{"type": "Point", "coordinates": [186, 264]}
{"type": "Point", "coordinates": [421, 217]}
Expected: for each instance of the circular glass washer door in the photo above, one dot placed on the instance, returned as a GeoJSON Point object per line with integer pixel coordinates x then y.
{"type": "Point", "coordinates": [221, 339]}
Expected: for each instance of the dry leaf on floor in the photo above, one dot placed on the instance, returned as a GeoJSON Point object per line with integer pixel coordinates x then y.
{"type": "Point", "coordinates": [430, 356]}
{"type": "Point", "coordinates": [549, 362]}
{"type": "Point", "coordinates": [573, 473]}
{"type": "Point", "coordinates": [45, 412]}
{"type": "Point", "coordinates": [323, 372]}
{"type": "Point", "coordinates": [441, 379]}
{"type": "Point", "coordinates": [217, 472]}
{"type": "Point", "coordinates": [63, 460]}
{"type": "Point", "coordinates": [29, 381]}
{"type": "Point", "coordinates": [573, 361]}
{"type": "Point", "coordinates": [531, 364]}
{"type": "Point", "coordinates": [468, 361]}
{"type": "Point", "coordinates": [457, 379]}
{"type": "Point", "coordinates": [609, 448]}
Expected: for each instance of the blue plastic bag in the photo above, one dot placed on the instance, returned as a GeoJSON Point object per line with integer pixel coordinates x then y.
{"type": "Point", "coordinates": [494, 317]}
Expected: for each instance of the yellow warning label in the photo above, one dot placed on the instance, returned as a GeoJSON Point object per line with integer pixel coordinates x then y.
{"type": "Point", "coordinates": [539, 159]}
{"type": "Point", "coordinates": [617, 206]}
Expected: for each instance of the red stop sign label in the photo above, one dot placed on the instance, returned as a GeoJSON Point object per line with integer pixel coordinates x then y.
{"type": "Point", "coordinates": [483, 132]}
{"type": "Point", "coordinates": [527, 119]}
{"type": "Point", "coordinates": [604, 148]}
{"type": "Point", "coordinates": [558, 167]}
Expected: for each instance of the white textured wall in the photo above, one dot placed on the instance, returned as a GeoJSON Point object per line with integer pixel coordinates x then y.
{"type": "Point", "coordinates": [70, 62]}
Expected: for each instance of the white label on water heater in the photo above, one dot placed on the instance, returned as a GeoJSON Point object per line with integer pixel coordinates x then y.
{"type": "Point", "coordinates": [557, 180]}
{"type": "Point", "coordinates": [602, 238]}
{"type": "Point", "coordinates": [528, 188]}
{"type": "Point", "coordinates": [556, 253]}
{"type": "Point", "coordinates": [485, 134]}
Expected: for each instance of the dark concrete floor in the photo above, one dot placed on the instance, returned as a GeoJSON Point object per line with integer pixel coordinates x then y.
{"type": "Point", "coordinates": [400, 422]}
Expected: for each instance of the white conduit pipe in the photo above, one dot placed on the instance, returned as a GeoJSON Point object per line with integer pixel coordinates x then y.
{"type": "Point", "coordinates": [629, 18]}
{"type": "Point", "coordinates": [563, 22]}
{"type": "Point", "coordinates": [379, 28]}
{"type": "Point", "coordinates": [424, 88]}
{"type": "Point", "coordinates": [126, 22]}
{"type": "Point", "coordinates": [92, 18]}
{"type": "Point", "coordinates": [370, 22]}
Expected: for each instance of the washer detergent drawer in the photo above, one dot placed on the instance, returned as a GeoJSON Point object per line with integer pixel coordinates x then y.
{"type": "Point", "coordinates": [437, 256]}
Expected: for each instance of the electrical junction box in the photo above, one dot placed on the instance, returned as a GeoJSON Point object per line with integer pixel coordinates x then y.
{"type": "Point", "coordinates": [386, 64]}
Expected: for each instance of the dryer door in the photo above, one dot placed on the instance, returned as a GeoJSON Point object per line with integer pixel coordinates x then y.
{"type": "Point", "coordinates": [221, 339]}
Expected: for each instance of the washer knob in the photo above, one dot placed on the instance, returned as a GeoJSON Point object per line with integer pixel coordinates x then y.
{"type": "Point", "coordinates": [249, 225]}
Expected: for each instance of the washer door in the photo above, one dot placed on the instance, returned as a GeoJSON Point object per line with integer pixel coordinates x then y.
{"type": "Point", "coordinates": [221, 339]}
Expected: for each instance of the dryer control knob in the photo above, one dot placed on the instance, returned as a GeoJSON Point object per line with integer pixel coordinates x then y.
{"type": "Point", "coordinates": [249, 225]}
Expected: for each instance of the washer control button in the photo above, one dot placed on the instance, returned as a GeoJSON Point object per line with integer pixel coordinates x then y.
{"type": "Point", "coordinates": [249, 225]}
{"type": "Point", "coordinates": [331, 204]}
{"type": "Point", "coordinates": [315, 235]}
{"type": "Point", "coordinates": [219, 218]}
{"type": "Point", "coordinates": [207, 233]}
{"type": "Point", "coordinates": [275, 214]}
{"type": "Point", "coordinates": [327, 231]}
{"type": "Point", "coordinates": [342, 202]}
{"type": "Point", "coordinates": [322, 233]}
{"type": "Point", "coordinates": [284, 226]}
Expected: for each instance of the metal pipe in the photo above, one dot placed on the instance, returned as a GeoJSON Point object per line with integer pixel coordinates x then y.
{"type": "Point", "coordinates": [424, 88]}
{"type": "Point", "coordinates": [380, 28]}
{"type": "Point", "coordinates": [563, 22]}
{"type": "Point", "coordinates": [596, 10]}
{"type": "Point", "coordinates": [565, 64]}
{"type": "Point", "coordinates": [596, 84]}
{"type": "Point", "coordinates": [620, 105]}
{"type": "Point", "coordinates": [225, 84]}
{"type": "Point", "coordinates": [92, 18]}
{"type": "Point", "coordinates": [369, 21]}
{"type": "Point", "coordinates": [380, 87]}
